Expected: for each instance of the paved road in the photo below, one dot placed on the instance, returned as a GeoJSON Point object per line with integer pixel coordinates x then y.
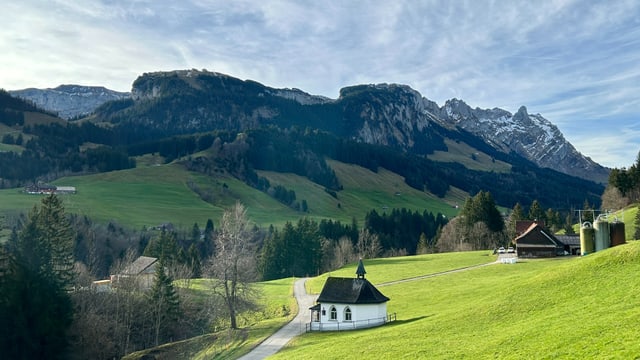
{"type": "Point", "coordinates": [296, 327]}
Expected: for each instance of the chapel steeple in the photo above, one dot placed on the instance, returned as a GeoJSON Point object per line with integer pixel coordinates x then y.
{"type": "Point", "coordinates": [360, 271]}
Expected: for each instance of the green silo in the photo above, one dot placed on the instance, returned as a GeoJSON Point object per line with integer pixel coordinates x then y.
{"type": "Point", "coordinates": [587, 238]}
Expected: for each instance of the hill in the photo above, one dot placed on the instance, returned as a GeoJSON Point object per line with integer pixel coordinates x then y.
{"type": "Point", "coordinates": [150, 195]}
{"type": "Point", "coordinates": [578, 307]}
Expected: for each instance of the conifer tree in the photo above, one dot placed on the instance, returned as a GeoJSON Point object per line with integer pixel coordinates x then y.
{"type": "Point", "coordinates": [636, 224]}
{"type": "Point", "coordinates": [535, 211]}
{"type": "Point", "coordinates": [164, 302]}
{"type": "Point", "coordinates": [35, 308]}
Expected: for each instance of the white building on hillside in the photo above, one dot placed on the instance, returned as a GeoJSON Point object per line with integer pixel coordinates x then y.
{"type": "Point", "coordinates": [349, 303]}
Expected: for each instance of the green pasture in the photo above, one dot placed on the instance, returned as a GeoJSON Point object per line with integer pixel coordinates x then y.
{"type": "Point", "coordinates": [278, 307]}
{"type": "Point", "coordinates": [153, 194]}
{"type": "Point", "coordinates": [469, 157]}
{"type": "Point", "coordinates": [384, 270]}
{"type": "Point", "coordinates": [571, 308]}
{"type": "Point", "coordinates": [363, 191]}
{"type": "Point", "coordinates": [149, 196]}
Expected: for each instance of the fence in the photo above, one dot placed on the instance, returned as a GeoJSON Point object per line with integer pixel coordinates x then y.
{"type": "Point", "coordinates": [349, 325]}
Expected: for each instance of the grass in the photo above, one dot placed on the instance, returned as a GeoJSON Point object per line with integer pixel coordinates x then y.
{"type": "Point", "coordinates": [469, 157]}
{"type": "Point", "coordinates": [363, 191]}
{"type": "Point", "coordinates": [389, 269]}
{"type": "Point", "coordinates": [279, 307]}
{"type": "Point", "coordinates": [576, 307]}
{"type": "Point", "coordinates": [153, 194]}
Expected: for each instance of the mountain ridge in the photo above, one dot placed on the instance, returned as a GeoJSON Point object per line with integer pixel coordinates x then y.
{"type": "Point", "coordinates": [382, 114]}
{"type": "Point", "coordinates": [70, 101]}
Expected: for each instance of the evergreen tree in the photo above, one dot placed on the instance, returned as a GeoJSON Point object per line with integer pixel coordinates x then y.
{"type": "Point", "coordinates": [164, 303]}
{"type": "Point", "coordinates": [194, 261]}
{"type": "Point", "coordinates": [636, 224]}
{"type": "Point", "coordinates": [423, 244]}
{"type": "Point", "coordinates": [37, 271]}
{"type": "Point", "coordinates": [535, 212]}
{"type": "Point", "coordinates": [568, 224]}
{"type": "Point", "coordinates": [517, 214]}
{"type": "Point", "coordinates": [482, 208]}
{"type": "Point", "coordinates": [164, 247]}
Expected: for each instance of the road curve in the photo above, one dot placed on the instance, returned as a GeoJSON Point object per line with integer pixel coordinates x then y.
{"type": "Point", "coordinates": [294, 328]}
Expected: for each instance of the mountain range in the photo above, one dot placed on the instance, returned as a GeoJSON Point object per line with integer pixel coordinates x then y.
{"type": "Point", "coordinates": [381, 114]}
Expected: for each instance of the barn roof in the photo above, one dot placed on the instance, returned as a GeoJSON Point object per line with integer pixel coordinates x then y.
{"type": "Point", "coordinates": [537, 236]}
{"type": "Point", "coordinates": [350, 291]}
{"type": "Point", "coordinates": [143, 264]}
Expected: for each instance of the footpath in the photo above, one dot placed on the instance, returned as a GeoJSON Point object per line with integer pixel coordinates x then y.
{"type": "Point", "coordinates": [297, 326]}
{"type": "Point", "coordinates": [294, 328]}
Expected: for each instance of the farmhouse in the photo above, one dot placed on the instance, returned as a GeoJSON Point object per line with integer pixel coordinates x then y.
{"type": "Point", "coordinates": [41, 188]}
{"type": "Point", "coordinates": [140, 273]}
{"type": "Point", "coordinates": [348, 303]}
{"type": "Point", "coordinates": [536, 241]}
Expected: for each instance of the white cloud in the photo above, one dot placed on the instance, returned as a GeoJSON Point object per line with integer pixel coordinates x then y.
{"type": "Point", "coordinates": [574, 62]}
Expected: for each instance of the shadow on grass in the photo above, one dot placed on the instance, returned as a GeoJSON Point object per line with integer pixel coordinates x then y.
{"type": "Point", "coordinates": [407, 321]}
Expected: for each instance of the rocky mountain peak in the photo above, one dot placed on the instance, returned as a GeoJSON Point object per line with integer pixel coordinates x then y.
{"type": "Point", "coordinates": [531, 136]}
{"type": "Point", "coordinates": [70, 101]}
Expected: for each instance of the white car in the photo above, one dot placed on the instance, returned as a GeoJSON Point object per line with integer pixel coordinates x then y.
{"type": "Point", "coordinates": [501, 250]}
{"type": "Point", "coordinates": [511, 250]}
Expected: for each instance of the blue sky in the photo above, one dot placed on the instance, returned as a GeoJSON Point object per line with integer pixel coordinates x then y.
{"type": "Point", "coordinates": [575, 62]}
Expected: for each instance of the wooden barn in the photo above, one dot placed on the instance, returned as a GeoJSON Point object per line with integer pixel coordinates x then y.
{"type": "Point", "coordinates": [536, 241]}
{"type": "Point", "coordinates": [349, 303]}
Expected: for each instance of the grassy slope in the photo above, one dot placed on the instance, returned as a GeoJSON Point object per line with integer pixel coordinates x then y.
{"type": "Point", "coordinates": [150, 195]}
{"type": "Point", "coordinates": [462, 153]}
{"type": "Point", "coordinates": [275, 295]}
{"type": "Point", "coordinates": [561, 308]}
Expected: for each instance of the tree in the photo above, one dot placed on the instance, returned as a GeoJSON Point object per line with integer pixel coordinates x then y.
{"type": "Point", "coordinates": [233, 266]}
{"type": "Point", "coordinates": [568, 224]}
{"type": "Point", "coordinates": [588, 214]}
{"type": "Point", "coordinates": [164, 302]}
{"type": "Point", "coordinates": [516, 215]}
{"type": "Point", "coordinates": [612, 199]}
{"type": "Point", "coordinates": [423, 245]}
{"type": "Point", "coordinates": [636, 224]}
{"type": "Point", "coordinates": [368, 244]}
{"type": "Point", "coordinates": [535, 211]}
{"type": "Point", "coordinates": [35, 307]}
{"type": "Point", "coordinates": [482, 208]}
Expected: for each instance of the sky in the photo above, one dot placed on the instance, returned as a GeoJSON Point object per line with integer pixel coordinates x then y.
{"type": "Point", "coordinates": [577, 63]}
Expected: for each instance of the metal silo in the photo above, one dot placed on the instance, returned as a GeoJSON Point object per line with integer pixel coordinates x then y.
{"type": "Point", "coordinates": [616, 233]}
{"type": "Point", "coordinates": [587, 238]}
{"type": "Point", "coordinates": [601, 225]}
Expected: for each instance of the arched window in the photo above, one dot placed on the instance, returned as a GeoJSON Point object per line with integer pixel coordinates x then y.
{"type": "Point", "coordinates": [347, 314]}
{"type": "Point", "coordinates": [333, 313]}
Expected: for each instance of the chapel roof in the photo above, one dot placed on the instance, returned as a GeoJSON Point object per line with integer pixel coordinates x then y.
{"type": "Point", "coordinates": [350, 291]}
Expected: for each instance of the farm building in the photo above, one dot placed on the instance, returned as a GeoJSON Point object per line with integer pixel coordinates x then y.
{"type": "Point", "coordinates": [143, 270]}
{"type": "Point", "coordinates": [536, 241]}
{"type": "Point", "coordinates": [349, 303]}
{"type": "Point", "coordinates": [49, 189]}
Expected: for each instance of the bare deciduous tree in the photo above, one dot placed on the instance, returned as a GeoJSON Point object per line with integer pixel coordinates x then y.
{"type": "Point", "coordinates": [612, 199]}
{"type": "Point", "coordinates": [234, 265]}
{"type": "Point", "coordinates": [369, 246]}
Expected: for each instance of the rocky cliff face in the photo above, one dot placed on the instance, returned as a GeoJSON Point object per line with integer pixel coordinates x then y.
{"type": "Point", "coordinates": [395, 115]}
{"type": "Point", "coordinates": [531, 136]}
{"type": "Point", "coordinates": [70, 101]}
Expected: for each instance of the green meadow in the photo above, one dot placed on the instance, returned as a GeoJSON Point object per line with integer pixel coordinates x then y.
{"type": "Point", "coordinates": [573, 308]}
{"type": "Point", "coordinates": [568, 308]}
{"type": "Point", "coordinates": [153, 194]}
{"type": "Point", "coordinates": [278, 307]}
